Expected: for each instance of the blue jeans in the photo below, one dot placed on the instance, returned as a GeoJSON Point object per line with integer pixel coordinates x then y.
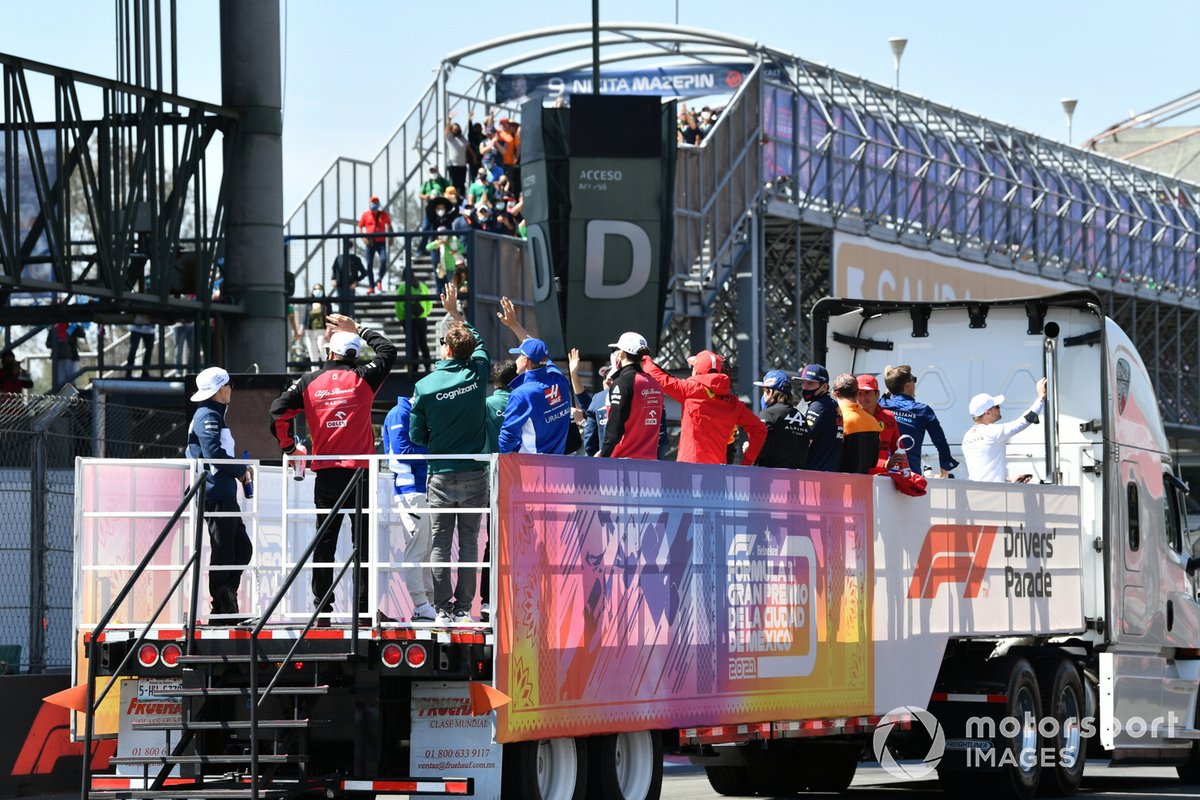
{"type": "Point", "coordinates": [456, 490]}
{"type": "Point", "coordinates": [372, 249]}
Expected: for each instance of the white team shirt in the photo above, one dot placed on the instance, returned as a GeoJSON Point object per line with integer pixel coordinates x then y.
{"type": "Point", "coordinates": [983, 446]}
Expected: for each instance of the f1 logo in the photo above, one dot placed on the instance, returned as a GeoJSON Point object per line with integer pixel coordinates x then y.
{"type": "Point", "coordinates": [952, 554]}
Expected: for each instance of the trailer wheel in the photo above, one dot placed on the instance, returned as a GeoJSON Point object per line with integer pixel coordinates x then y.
{"type": "Point", "coordinates": [1021, 770]}
{"type": "Point", "coordinates": [830, 767]}
{"type": "Point", "coordinates": [548, 769]}
{"type": "Point", "coordinates": [730, 781]}
{"type": "Point", "coordinates": [1063, 701]}
{"type": "Point", "coordinates": [625, 766]}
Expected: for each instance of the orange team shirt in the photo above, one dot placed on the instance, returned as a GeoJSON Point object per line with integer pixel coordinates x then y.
{"type": "Point", "coordinates": [512, 148]}
{"type": "Point", "coordinates": [375, 222]}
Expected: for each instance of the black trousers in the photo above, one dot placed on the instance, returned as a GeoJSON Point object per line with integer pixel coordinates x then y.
{"type": "Point", "coordinates": [229, 545]}
{"type": "Point", "coordinates": [330, 482]}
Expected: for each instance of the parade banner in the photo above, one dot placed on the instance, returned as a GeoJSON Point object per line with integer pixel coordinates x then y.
{"type": "Point", "coordinates": [636, 595]}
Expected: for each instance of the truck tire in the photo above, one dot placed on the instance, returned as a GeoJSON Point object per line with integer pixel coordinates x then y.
{"type": "Point", "coordinates": [830, 766]}
{"type": "Point", "coordinates": [547, 769]}
{"type": "Point", "coordinates": [1063, 700]}
{"type": "Point", "coordinates": [730, 781]}
{"type": "Point", "coordinates": [625, 766]}
{"type": "Point", "coordinates": [1024, 703]}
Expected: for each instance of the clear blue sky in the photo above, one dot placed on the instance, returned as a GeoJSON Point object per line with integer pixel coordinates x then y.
{"type": "Point", "coordinates": [355, 68]}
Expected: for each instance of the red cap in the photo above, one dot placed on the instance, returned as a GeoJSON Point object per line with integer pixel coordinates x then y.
{"type": "Point", "coordinates": [867, 383]}
{"type": "Point", "coordinates": [374, 198]}
{"type": "Point", "coordinates": [706, 361]}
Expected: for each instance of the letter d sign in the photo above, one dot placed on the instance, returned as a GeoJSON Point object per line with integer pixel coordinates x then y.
{"type": "Point", "coordinates": [639, 272]}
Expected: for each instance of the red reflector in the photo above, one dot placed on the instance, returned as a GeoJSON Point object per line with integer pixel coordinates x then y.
{"type": "Point", "coordinates": [147, 655]}
{"type": "Point", "coordinates": [170, 655]}
{"type": "Point", "coordinates": [299, 665]}
{"type": "Point", "coordinates": [391, 655]}
{"type": "Point", "coordinates": [415, 655]}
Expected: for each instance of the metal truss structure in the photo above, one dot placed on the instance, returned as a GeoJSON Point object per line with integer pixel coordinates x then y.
{"type": "Point", "coordinates": [110, 197]}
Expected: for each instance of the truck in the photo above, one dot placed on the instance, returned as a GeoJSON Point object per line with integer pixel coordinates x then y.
{"type": "Point", "coordinates": [773, 626]}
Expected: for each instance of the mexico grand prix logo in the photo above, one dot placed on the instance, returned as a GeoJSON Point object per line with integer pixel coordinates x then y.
{"type": "Point", "coordinates": [937, 743]}
{"type": "Point", "coordinates": [952, 554]}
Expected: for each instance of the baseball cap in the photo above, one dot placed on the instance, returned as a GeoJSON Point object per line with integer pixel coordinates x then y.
{"type": "Point", "coordinates": [533, 349]}
{"type": "Point", "coordinates": [374, 198]}
{"type": "Point", "coordinates": [982, 402]}
{"type": "Point", "coordinates": [209, 382]}
{"type": "Point", "coordinates": [342, 342]}
{"type": "Point", "coordinates": [706, 361]}
{"type": "Point", "coordinates": [814, 372]}
{"type": "Point", "coordinates": [613, 364]}
{"type": "Point", "coordinates": [776, 379]}
{"type": "Point", "coordinates": [631, 342]}
{"type": "Point", "coordinates": [868, 383]}
{"type": "Point", "coordinates": [502, 120]}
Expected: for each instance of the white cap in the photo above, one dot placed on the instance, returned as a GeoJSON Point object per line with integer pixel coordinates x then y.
{"type": "Point", "coordinates": [343, 342]}
{"type": "Point", "coordinates": [631, 342]}
{"type": "Point", "coordinates": [209, 382]}
{"type": "Point", "coordinates": [980, 403]}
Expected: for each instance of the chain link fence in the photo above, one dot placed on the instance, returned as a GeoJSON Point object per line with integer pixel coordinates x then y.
{"type": "Point", "coordinates": [40, 437]}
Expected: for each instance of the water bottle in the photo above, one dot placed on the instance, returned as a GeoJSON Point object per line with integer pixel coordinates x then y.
{"type": "Point", "coordinates": [902, 448]}
{"type": "Point", "coordinates": [248, 486]}
{"type": "Point", "coordinates": [298, 462]}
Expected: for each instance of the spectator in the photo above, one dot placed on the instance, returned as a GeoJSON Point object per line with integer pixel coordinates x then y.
{"type": "Point", "coordinates": [457, 147]}
{"type": "Point", "coordinates": [448, 417]}
{"type": "Point", "coordinates": [348, 270]}
{"type": "Point", "coordinates": [824, 419]}
{"type": "Point", "coordinates": [141, 332]}
{"type": "Point", "coordinates": [210, 438]}
{"type": "Point", "coordinates": [786, 445]}
{"type": "Point", "coordinates": [983, 446]}
{"type": "Point", "coordinates": [408, 492]}
{"type": "Point", "coordinates": [416, 329]}
{"type": "Point", "coordinates": [635, 403]}
{"type": "Point", "coordinates": [915, 418]}
{"type": "Point", "coordinates": [482, 221]}
{"type": "Point", "coordinates": [183, 331]}
{"type": "Point", "coordinates": [13, 379]}
{"type": "Point", "coordinates": [62, 340]}
{"type": "Point", "coordinates": [475, 138]}
{"type": "Point", "coordinates": [375, 220]}
{"type": "Point", "coordinates": [503, 373]}
{"type": "Point", "coordinates": [889, 434]}
{"type": "Point", "coordinates": [336, 401]}
{"type": "Point", "coordinates": [710, 411]}
{"type": "Point", "coordinates": [481, 191]}
{"type": "Point", "coordinates": [314, 326]}
{"type": "Point", "coordinates": [689, 131]}
{"type": "Point", "coordinates": [508, 142]}
{"type": "Point", "coordinates": [433, 187]}
{"type": "Point", "coordinates": [860, 430]}
{"type": "Point", "coordinates": [447, 255]}
{"type": "Point", "coordinates": [537, 416]}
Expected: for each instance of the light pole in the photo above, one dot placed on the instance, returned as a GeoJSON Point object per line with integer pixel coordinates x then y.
{"type": "Point", "coordinates": [1068, 104]}
{"type": "Point", "coordinates": [898, 46]}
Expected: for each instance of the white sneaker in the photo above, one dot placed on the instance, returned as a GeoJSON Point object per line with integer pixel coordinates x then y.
{"type": "Point", "coordinates": [424, 613]}
{"type": "Point", "coordinates": [445, 617]}
{"type": "Point", "coordinates": [485, 613]}
{"type": "Point", "coordinates": [462, 615]}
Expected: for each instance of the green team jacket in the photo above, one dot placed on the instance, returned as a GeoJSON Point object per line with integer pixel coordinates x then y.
{"type": "Point", "coordinates": [448, 410]}
{"type": "Point", "coordinates": [496, 404]}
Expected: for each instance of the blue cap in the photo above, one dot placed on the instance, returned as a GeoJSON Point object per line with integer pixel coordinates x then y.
{"type": "Point", "coordinates": [814, 372]}
{"type": "Point", "coordinates": [533, 349]}
{"type": "Point", "coordinates": [776, 379]}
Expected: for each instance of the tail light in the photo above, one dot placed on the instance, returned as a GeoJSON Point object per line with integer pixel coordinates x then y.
{"type": "Point", "coordinates": [391, 655]}
{"type": "Point", "coordinates": [170, 655]}
{"type": "Point", "coordinates": [415, 656]}
{"type": "Point", "coordinates": [147, 655]}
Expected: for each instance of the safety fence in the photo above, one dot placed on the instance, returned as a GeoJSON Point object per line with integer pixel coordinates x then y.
{"type": "Point", "coordinates": [40, 438]}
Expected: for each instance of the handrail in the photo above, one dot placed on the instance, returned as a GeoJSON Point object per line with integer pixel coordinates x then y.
{"type": "Point", "coordinates": [197, 490]}
{"type": "Point", "coordinates": [332, 517]}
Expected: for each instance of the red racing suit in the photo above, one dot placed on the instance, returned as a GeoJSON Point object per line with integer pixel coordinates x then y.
{"type": "Point", "coordinates": [710, 412]}
{"type": "Point", "coordinates": [635, 409]}
{"type": "Point", "coordinates": [336, 401]}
